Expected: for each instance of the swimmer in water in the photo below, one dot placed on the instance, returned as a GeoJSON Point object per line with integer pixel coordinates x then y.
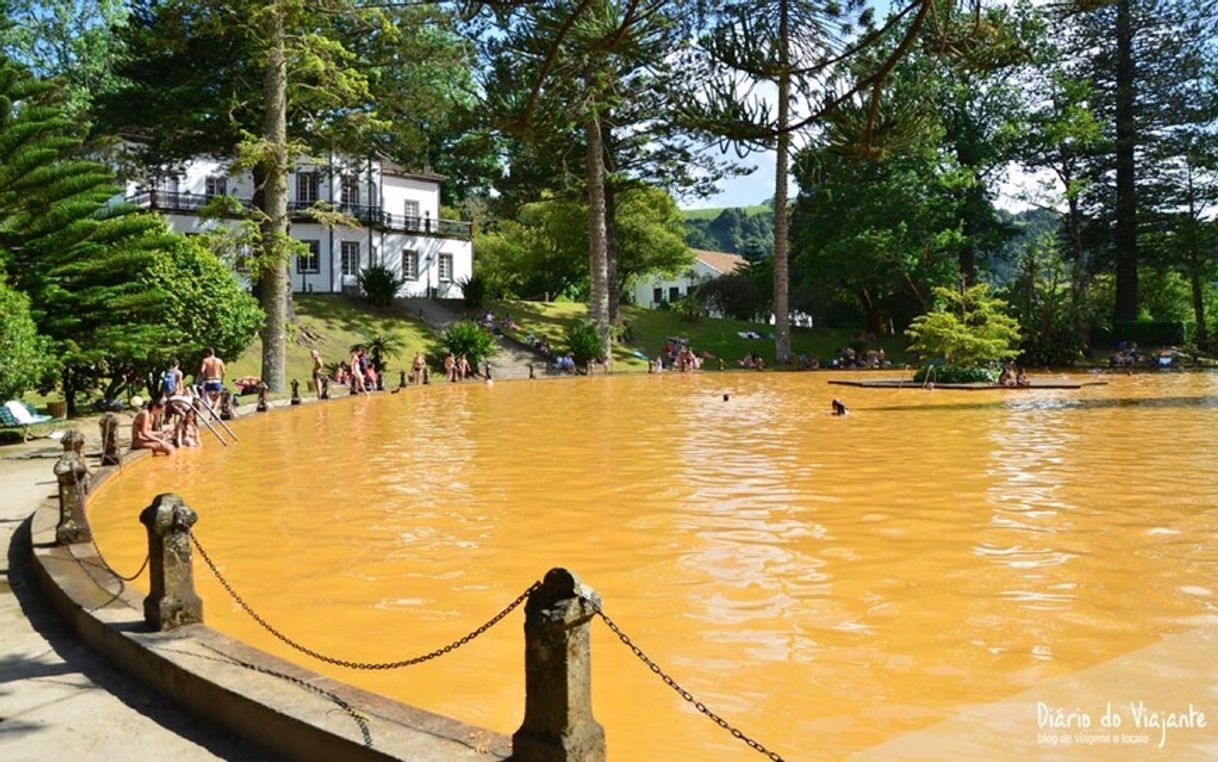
{"type": "Point", "coordinates": [839, 408]}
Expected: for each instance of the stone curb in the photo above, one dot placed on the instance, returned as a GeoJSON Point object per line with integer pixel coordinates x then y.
{"type": "Point", "coordinates": [290, 710]}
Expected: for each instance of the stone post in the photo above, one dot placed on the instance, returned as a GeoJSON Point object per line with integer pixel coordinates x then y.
{"type": "Point", "coordinates": [111, 454]}
{"type": "Point", "coordinates": [262, 406]}
{"type": "Point", "coordinates": [171, 600]}
{"type": "Point", "coordinates": [558, 724]}
{"type": "Point", "coordinates": [402, 379]}
{"type": "Point", "coordinates": [380, 381]}
{"type": "Point", "coordinates": [72, 473]}
{"type": "Point", "coordinates": [227, 407]}
{"type": "Point", "coordinates": [295, 392]}
{"type": "Point", "coordinates": [325, 388]}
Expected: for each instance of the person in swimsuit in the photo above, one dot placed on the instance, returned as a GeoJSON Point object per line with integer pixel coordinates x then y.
{"type": "Point", "coordinates": [418, 369]}
{"type": "Point", "coordinates": [319, 372]}
{"type": "Point", "coordinates": [357, 373]}
{"type": "Point", "coordinates": [144, 436]}
{"type": "Point", "coordinates": [211, 371]}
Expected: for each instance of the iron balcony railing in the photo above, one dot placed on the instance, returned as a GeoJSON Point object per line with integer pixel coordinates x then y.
{"type": "Point", "coordinates": [369, 215]}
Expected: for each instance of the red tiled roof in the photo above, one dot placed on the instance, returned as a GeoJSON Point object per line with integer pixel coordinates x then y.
{"type": "Point", "coordinates": [720, 261]}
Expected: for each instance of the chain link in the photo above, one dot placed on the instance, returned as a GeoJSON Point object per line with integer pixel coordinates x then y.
{"type": "Point", "coordinates": [109, 568]}
{"type": "Point", "coordinates": [453, 646]}
{"type": "Point", "coordinates": [702, 708]}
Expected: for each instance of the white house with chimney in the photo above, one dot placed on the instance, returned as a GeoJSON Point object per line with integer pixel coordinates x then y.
{"type": "Point", "coordinates": [394, 216]}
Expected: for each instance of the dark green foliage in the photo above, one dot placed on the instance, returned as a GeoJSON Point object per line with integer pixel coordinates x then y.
{"type": "Point", "coordinates": [956, 374]}
{"type": "Point", "coordinates": [474, 291]}
{"type": "Point", "coordinates": [1147, 333]}
{"type": "Point", "coordinates": [25, 358]}
{"type": "Point", "coordinates": [735, 231]}
{"type": "Point", "coordinates": [584, 342]}
{"type": "Point", "coordinates": [739, 295]}
{"type": "Point", "coordinates": [469, 339]}
{"type": "Point", "coordinates": [379, 285]}
{"type": "Point", "coordinates": [380, 346]}
{"type": "Point", "coordinates": [87, 267]}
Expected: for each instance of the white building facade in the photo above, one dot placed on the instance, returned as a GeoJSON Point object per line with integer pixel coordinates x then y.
{"type": "Point", "coordinates": [652, 291]}
{"type": "Point", "coordinates": [395, 216]}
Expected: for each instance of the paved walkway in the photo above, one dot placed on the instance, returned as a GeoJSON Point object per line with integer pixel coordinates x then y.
{"type": "Point", "coordinates": [58, 699]}
{"type": "Point", "coordinates": [511, 361]}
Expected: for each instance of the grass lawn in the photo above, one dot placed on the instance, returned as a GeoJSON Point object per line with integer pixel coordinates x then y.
{"type": "Point", "coordinates": [713, 212]}
{"type": "Point", "coordinates": [339, 322]}
{"type": "Point", "coordinates": [648, 330]}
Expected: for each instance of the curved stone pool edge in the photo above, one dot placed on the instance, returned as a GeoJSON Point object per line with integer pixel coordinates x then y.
{"type": "Point", "coordinates": [290, 710]}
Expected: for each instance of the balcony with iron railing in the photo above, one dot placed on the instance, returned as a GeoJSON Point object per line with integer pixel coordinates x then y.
{"type": "Point", "coordinates": [174, 201]}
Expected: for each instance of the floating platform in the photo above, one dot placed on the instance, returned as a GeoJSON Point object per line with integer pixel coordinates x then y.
{"type": "Point", "coordinates": [975, 386]}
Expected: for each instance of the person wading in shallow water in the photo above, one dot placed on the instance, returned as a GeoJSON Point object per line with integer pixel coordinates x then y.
{"type": "Point", "coordinates": [319, 372]}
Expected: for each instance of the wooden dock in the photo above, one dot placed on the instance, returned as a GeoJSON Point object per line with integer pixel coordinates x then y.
{"type": "Point", "coordinates": [975, 386]}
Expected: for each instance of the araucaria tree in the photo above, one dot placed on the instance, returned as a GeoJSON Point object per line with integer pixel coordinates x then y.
{"type": "Point", "coordinates": [808, 57]}
{"type": "Point", "coordinates": [561, 67]}
{"type": "Point", "coordinates": [100, 279]}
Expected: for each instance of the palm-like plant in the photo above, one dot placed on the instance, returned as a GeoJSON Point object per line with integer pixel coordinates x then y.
{"type": "Point", "coordinates": [381, 346]}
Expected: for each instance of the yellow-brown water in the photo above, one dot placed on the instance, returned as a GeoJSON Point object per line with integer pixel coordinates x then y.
{"type": "Point", "coordinates": [824, 583]}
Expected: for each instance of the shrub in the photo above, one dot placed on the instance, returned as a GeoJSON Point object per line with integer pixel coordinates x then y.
{"type": "Point", "coordinates": [381, 347]}
{"type": "Point", "coordinates": [1147, 332]}
{"type": "Point", "coordinates": [379, 284]}
{"type": "Point", "coordinates": [584, 342]}
{"type": "Point", "coordinates": [690, 308]}
{"type": "Point", "coordinates": [474, 291]}
{"type": "Point", "coordinates": [956, 374]}
{"type": "Point", "coordinates": [469, 339]}
{"type": "Point", "coordinates": [966, 328]}
{"type": "Point", "coordinates": [25, 355]}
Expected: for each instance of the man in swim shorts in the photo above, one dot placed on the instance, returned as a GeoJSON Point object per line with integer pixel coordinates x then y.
{"type": "Point", "coordinates": [211, 372]}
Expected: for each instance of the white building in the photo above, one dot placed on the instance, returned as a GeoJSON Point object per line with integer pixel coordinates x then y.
{"type": "Point", "coordinates": [397, 216]}
{"type": "Point", "coordinates": [652, 291]}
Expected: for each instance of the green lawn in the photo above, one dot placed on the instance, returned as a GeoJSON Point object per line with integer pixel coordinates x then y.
{"type": "Point", "coordinates": [648, 330]}
{"type": "Point", "coordinates": [338, 322]}
{"type": "Point", "coordinates": [713, 212]}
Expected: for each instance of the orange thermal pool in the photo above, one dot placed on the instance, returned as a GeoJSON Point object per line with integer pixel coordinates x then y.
{"type": "Point", "coordinates": [826, 584]}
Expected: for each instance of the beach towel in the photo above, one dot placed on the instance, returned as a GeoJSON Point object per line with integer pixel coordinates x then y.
{"type": "Point", "coordinates": [22, 415]}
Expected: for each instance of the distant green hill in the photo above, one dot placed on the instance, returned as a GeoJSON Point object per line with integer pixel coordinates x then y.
{"type": "Point", "coordinates": [747, 231]}
{"type": "Point", "coordinates": [711, 213]}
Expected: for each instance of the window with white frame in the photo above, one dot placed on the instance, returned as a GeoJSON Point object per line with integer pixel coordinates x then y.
{"type": "Point", "coordinates": [311, 261]}
{"type": "Point", "coordinates": [411, 210]}
{"type": "Point", "coordinates": [674, 293]}
{"type": "Point", "coordinates": [446, 268]}
{"type": "Point", "coordinates": [308, 186]}
{"type": "Point", "coordinates": [350, 194]}
{"type": "Point", "coordinates": [215, 185]}
{"type": "Point", "coordinates": [410, 264]}
{"type": "Point", "coordinates": [350, 257]}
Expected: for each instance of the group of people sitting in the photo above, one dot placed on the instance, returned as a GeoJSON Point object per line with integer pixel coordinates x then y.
{"type": "Point", "coordinates": [498, 326]}
{"type": "Point", "coordinates": [1013, 376]}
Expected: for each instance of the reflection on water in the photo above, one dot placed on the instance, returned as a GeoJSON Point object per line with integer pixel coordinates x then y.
{"type": "Point", "coordinates": [826, 583]}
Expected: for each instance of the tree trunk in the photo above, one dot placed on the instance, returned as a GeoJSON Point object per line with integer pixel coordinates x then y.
{"type": "Point", "coordinates": [611, 274]}
{"type": "Point", "coordinates": [782, 310]}
{"type": "Point", "coordinates": [1126, 234]}
{"type": "Point", "coordinates": [275, 281]}
{"type": "Point", "coordinates": [1200, 336]}
{"type": "Point", "coordinates": [598, 265]}
{"type": "Point", "coordinates": [69, 391]}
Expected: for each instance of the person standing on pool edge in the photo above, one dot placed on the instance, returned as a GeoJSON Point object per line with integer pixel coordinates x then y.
{"type": "Point", "coordinates": [211, 371]}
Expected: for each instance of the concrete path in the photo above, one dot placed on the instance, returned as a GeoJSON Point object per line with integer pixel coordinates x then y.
{"type": "Point", "coordinates": [58, 699]}
{"type": "Point", "coordinates": [511, 361]}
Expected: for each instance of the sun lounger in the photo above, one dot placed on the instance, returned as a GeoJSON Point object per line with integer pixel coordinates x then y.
{"type": "Point", "coordinates": [15, 413]}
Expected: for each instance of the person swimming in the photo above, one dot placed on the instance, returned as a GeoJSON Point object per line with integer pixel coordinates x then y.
{"type": "Point", "coordinates": [839, 408]}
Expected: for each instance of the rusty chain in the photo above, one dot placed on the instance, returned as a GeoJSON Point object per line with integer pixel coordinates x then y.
{"type": "Point", "coordinates": [357, 664]}
{"type": "Point", "coordinates": [698, 705]}
{"type": "Point", "coordinates": [105, 564]}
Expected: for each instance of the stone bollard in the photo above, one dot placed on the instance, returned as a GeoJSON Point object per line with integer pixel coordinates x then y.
{"type": "Point", "coordinates": [72, 473]}
{"type": "Point", "coordinates": [532, 373]}
{"type": "Point", "coordinates": [262, 406]}
{"type": "Point", "coordinates": [402, 379]}
{"type": "Point", "coordinates": [380, 381]}
{"type": "Point", "coordinates": [295, 392]}
{"type": "Point", "coordinates": [325, 388]}
{"type": "Point", "coordinates": [227, 406]}
{"type": "Point", "coordinates": [558, 724]}
{"type": "Point", "coordinates": [111, 454]}
{"type": "Point", "coordinates": [171, 600]}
